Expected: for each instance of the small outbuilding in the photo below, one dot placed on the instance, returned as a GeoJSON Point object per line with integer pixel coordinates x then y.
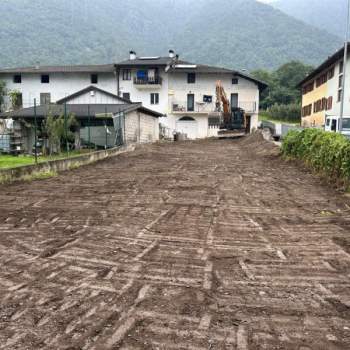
{"type": "Point", "coordinates": [103, 120]}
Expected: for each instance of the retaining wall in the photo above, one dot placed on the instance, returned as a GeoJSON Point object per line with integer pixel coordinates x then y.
{"type": "Point", "coordinates": [62, 164]}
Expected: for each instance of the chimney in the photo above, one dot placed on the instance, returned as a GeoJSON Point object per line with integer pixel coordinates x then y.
{"type": "Point", "coordinates": [171, 53]}
{"type": "Point", "coordinates": [133, 55]}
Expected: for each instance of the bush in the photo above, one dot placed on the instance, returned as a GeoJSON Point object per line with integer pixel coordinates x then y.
{"type": "Point", "coordinates": [287, 113]}
{"type": "Point", "coordinates": [325, 152]}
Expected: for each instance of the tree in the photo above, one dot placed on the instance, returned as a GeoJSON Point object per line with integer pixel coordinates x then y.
{"type": "Point", "coordinates": [282, 84]}
{"type": "Point", "coordinates": [2, 93]}
{"type": "Point", "coordinates": [54, 128]}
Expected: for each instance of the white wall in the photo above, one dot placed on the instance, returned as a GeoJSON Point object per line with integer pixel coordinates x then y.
{"type": "Point", "coordinates": [332, 86]}
{"type": "Point", "coordinates": [141, 128]}
{"type": "Point", "coordinates": [61, 85]}
{"type": "Point", "coordinates": [97, 98]}
{"type": "Point", "coordinates": [248, 97]}
{"type": "Point", "coordinates": [143, 94]}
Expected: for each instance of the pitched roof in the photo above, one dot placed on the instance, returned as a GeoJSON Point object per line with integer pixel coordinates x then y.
{"type": "Point", "coordinates": [328, 62]}
{"type": "Point", "coordinates": [202, 68]}
{"type": "Point", "coordinates": [88, 89]}
{"type": "Point", "coordinates": [79, 110]}
{"type": "Point", "coordinates": [102, 68]}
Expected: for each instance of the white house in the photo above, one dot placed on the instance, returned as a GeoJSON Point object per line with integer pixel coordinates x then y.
{"type": "Point", "coordinates": [183, 92]}
{"type": "Point", "coordinates": [47, 84]}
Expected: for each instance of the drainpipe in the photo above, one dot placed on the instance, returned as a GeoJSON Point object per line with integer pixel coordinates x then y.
{"type": "Point", "coordinates": [116, 72]}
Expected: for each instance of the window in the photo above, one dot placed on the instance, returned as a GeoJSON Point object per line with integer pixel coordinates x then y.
{"type": "Point", "coordinates": [154, 99]}
{"type": "Point", "coordinates": [126, 95]}
{"type": "Point", "coordinates": [45, 79]}
{"type": "Point", "coordinates": [207, 98]}
{"type": "Point", "coordinates": [340, 94]}
{"type": "Point", "coordinates": [321, 80]}
{"type": "Point", "coordinates": [330, 103]}
{"type": "Point", "coordinates": [307, 110]}
{"type": "Point", "coordinates": [94, 79]}
{"type": "Point", "coordinates": [340, 84]}
{"type": "Point", "coordinates": [334, 125]}
{"type": "Point", "coordinates": [190, 102]}
{"type": "Point", "coordinates": [331, 73]}
{"type": "Point", "coordinates": [308, 87]}
{"type": "Point", "coordinates": [191, 78]}
{"type": "Point", "coordinates": [45, 98]}
{"type": "Point", "coordinates": [234, 81]}
{"type": "Point", "coordinates": [341, 67]}
{"type": "Point", "coordinates": [126, 74]}
{"type": "Point", "coordinates": [17, 79]}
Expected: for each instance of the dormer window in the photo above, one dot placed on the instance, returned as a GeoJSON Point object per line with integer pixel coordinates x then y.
{"type": "Point", "coordinates": [17, 79]}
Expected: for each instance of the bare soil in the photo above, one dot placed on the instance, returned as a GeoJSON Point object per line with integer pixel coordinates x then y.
{"type": "Point", "coordinates": [194, 245]}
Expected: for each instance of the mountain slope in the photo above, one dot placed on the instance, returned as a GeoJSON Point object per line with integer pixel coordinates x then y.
{"type": "Point", "coordinates": [233, 33]}
{"type": "Point", "coordinates": [329, 15]}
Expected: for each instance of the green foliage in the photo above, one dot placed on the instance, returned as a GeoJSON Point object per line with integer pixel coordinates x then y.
{"type": "Point", "coordinates": [284, 112]}
{"type": "Point", "coordinates": [325, 152]}
{"type": "Point", "coordinates": [231, 33]}
{"type": "Point", "coordinates": [14, 98]}
{"type": "Point", "coordinates": [54, 128]}
{"type": "Point", "coordinates": [3, 92]}
{"type": "Point", "coordinates": [282, 88]}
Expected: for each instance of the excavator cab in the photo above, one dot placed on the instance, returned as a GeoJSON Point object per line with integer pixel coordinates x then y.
{"type": "Point", "coordinates": [235, 120]}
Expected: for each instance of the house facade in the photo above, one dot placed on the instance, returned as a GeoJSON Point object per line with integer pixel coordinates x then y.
{"type": "Point", "coordinates": [186, 93]}
{"type": "Point", "coordinates": [48, 84]}
{"type": "Point", "coordinates": [322, 91]}
{"type": "Point", "coordinates": [183, 92]}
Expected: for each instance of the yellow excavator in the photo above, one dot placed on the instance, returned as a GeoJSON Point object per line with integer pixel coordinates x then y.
{"type": "Point", "coordinates": [233, 121]}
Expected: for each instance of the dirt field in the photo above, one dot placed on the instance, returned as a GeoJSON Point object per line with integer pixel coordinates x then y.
{"type": "Point", "coordinates": [202, 245]}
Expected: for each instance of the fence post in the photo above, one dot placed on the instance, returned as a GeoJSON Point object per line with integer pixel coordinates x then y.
{"type": "Point", "coordinates": [106, 143]}
{"type": "Point", "coordinates": [35, 134]}
{"type": "Point", "coordinates": [89, 134]}
{"type": "Point", "coordinates": [66, 128]}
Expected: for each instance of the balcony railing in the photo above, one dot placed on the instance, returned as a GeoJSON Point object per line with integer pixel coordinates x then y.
{"type": "Point", "coordinates": [202, 107]}
{"type": "Point", "coordinates": [148, 81]}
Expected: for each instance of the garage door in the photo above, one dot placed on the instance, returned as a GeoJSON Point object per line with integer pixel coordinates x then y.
{"type": "Point", "coordinates": [188, 126]}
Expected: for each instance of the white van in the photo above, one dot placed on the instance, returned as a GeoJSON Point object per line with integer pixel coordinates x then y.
{"type": "Point", "coordinates": [332, 124]}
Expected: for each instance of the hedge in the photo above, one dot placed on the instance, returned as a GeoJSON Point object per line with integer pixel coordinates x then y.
{"type": "Point", "coordinates": [326, 152]}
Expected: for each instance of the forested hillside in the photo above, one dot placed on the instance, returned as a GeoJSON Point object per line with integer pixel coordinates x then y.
{"type": "Point", "coordinates": [329, 15]}
{"type": "Point", "coordinates": [233, 33]}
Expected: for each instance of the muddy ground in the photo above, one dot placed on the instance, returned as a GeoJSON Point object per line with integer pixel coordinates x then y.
{"type": "Point", "coordinates": [196, 245]}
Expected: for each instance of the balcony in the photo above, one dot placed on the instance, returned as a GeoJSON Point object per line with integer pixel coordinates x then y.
{"type": "Point", "coordinates": [180, 107]}
{"type": "Point", "coordinates": [148, 82]}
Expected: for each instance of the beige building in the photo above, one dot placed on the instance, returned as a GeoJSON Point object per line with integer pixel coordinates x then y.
{"type": "Point", "coordinates": [322, 91]}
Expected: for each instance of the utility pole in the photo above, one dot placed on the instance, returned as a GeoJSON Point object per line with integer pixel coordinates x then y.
{"type": "Point", "coordinates": [342, 102]}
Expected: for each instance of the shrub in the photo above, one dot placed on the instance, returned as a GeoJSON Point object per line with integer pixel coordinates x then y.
{"type": "Point", "coordinates": [287, 113]}
{"type": "Point", "coordinates": [325, 152]}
